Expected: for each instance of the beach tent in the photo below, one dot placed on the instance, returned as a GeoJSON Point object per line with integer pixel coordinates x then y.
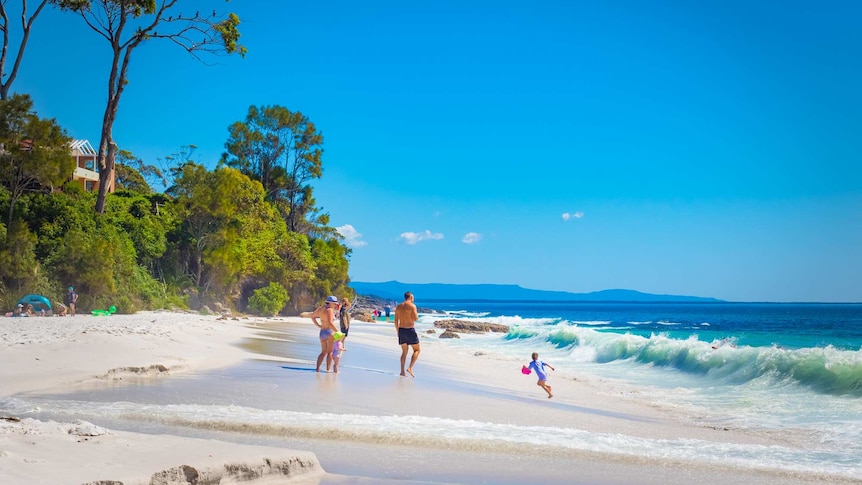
{"type": "Point", "coordinates": [39, 303]}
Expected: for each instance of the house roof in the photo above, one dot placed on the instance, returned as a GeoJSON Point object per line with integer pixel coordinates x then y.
{"type": "Point", "coordinates": [82, 147]}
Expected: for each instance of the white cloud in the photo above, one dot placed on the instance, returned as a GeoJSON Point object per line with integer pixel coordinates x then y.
{"type": "Point", "coordinates": [352, 237]}
{"type": "Point", "coordinates": [415, 237]}
{"type": "Point", "coordinates": [572, 215]}
{"type": "Point", "coordinates": [471, 238]}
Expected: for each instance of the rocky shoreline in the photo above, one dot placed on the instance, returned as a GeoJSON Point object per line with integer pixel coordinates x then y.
{"type": "Point", "coordinates": [364, 306]}
{"type": "Point", "coordinates": [452, 327]}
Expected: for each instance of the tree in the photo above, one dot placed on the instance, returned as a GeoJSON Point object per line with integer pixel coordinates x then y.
{"type": "Point", "coordinates": [228, 231]}
{"type": "Point", "coordinates": [7, 77]}
{"type": "Point", "coordinates": [113, 19]}
{"type": "Point", "coordinates": [132, 173]}
{"type": "Point", "coordinates": [282, 150]}
{"type": "Point", "coordinates": [35, 152]}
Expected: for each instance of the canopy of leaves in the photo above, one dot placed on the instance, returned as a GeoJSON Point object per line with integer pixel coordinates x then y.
{"type": "Point", "coordinates": [34, 153]}
{"type": "Point", "coordinates": [283, 150]}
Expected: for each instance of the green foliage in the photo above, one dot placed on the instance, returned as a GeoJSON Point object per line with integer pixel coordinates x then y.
{"type": "Point", "coordinates": [131, 173]}
{"type": "Point", "coordinates": [20, 272]}
{"type": "Point", "coordinates": [127, 178]}
{"type": "Point", "coordinates": [146, 219]}
{"type": "Point", "coordinates": [215, 235]}
{"type": "Point", "coordinates": [282, 150]}
{"type": "Point", "coordinates": [269, 300]}
{"type": "Point", "coordinates": [330, 276]}
{"type": "Point", "coordinates": [229, 232]}
{"type": "Point", "coordinates": [229, 32]}
{"type": "Point", "coordinates": [35, 155]}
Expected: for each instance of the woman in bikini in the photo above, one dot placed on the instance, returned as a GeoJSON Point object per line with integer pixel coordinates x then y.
{"type": "Point", "coordinates": [326, 324]}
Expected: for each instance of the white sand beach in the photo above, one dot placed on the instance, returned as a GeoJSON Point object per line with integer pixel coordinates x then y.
{"type": "Point", "coordinates": [45, 355]}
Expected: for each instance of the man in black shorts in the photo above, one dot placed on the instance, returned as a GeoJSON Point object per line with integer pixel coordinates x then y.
{"type": "Point", "coordinates": [405, 319]}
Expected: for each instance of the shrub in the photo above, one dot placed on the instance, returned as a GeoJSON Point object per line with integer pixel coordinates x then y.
{"type": "Point", "coordinates": [268, 300]}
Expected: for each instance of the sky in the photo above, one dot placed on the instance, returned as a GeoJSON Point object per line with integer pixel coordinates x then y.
{"type": "Point", "coordinates": [707, 148]}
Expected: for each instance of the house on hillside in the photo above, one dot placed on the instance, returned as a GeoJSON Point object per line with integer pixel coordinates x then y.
{"type": "Point", "coordinates": [86, 173]}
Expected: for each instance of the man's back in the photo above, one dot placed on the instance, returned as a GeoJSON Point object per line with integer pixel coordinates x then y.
{"type": "Point", "coordinates": [406, 314]}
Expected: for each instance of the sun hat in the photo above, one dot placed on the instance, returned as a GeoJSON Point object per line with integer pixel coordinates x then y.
{"type": "Point", "coordinates": [331, 299]}
{"type": "Point", "coordinates": [70, 288]}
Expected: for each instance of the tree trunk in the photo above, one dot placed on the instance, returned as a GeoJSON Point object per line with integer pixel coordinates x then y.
{"type": "Point", "coordinates": [105, 162]}
{"type": "Point", "coordinates": [107, 147]}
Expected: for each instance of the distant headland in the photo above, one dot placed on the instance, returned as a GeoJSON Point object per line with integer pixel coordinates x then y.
{"type": "Point", "coordinates": [427, 292]}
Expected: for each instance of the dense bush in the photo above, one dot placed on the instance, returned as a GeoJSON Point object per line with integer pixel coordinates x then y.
{"type": "Point", "coordinates": [268, 300]}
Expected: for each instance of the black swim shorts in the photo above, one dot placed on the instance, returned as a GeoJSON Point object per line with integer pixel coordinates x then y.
{"type": "Point", "coordinates": [407, 336]}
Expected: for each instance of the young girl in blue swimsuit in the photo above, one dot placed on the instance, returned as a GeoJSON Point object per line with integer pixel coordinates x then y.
{"type": "Point", "coordinates": [539, 367]}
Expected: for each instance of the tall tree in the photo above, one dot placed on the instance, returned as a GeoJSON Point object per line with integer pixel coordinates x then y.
{"type": "Point", "coordinates": [35, 152]}
{"type": "Point", "coordinates": [7, 76]}
{"type": "Point", "coordinates": [282, 150]}
{"type": "Point", "coordinates": [126, 24]}
{"type": "Point", "coordinates": [228, 232]}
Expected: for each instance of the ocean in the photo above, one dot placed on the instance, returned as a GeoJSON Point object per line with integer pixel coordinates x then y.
{"type": "Point", "coordinates": [793, 370]}
{"type": "Point", "coordinates": [759, 366]}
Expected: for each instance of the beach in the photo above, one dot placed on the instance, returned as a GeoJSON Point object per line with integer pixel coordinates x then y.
{"type": "Point", "coordinates": [167, 397]}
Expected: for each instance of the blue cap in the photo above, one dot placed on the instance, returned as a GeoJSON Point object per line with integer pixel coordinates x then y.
{"type": "Point", "coordinates": [331, 299]}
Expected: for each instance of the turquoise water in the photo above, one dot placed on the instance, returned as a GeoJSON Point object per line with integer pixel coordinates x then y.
{"type": "Point", "coordinates": [790, 367]}
{"type": "Point", "coordinates": [816, 346]}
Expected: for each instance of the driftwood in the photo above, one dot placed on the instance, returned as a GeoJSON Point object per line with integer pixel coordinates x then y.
{"type": "Point", "coordinates": [464, 326]}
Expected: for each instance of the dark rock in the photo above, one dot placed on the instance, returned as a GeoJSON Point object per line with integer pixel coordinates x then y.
{"type": "Point", "coordinates": [464, 326]}
{"type": "Point", "coordinates": [449, 334]}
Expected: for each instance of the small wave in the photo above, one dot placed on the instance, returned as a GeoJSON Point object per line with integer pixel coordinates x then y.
{"type": "Point", "coordinates": [465, 313]}
{"type": "Point", "coordinates": [521, 333]}
{"type": "Point", "coordinates": [592, 323]}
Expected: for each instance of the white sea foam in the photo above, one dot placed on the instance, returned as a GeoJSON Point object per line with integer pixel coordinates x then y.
{"type": "Point", "coordinates": [431, 432]}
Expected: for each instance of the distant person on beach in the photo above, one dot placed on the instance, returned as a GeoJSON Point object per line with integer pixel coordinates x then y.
{"type": "Point", "coordinates": [344, 320]}
{"type": "Point", "coordinates": [388, 310]}
{"type": "Point", "coordinates": [539, 367]}
{"type": "Point", "coordinates": [326, 324]}
{"type": "Point", "coordinates": [71, 300]}
{"type": "Point", "coordinates": [405, 321]}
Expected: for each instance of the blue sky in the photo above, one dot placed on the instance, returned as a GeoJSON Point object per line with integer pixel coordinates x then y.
{"type": "Point", "coordinates": [695, 148]}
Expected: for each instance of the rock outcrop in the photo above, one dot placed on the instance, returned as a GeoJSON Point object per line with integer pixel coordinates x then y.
{"type": "Point", "coordinates": [464, 326]}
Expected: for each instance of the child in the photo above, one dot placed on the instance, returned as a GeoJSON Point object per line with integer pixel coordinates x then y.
{"type": "Point", "coordinates": [539, 366]}
{"type": "Point", "coordinates": [337, 350]}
